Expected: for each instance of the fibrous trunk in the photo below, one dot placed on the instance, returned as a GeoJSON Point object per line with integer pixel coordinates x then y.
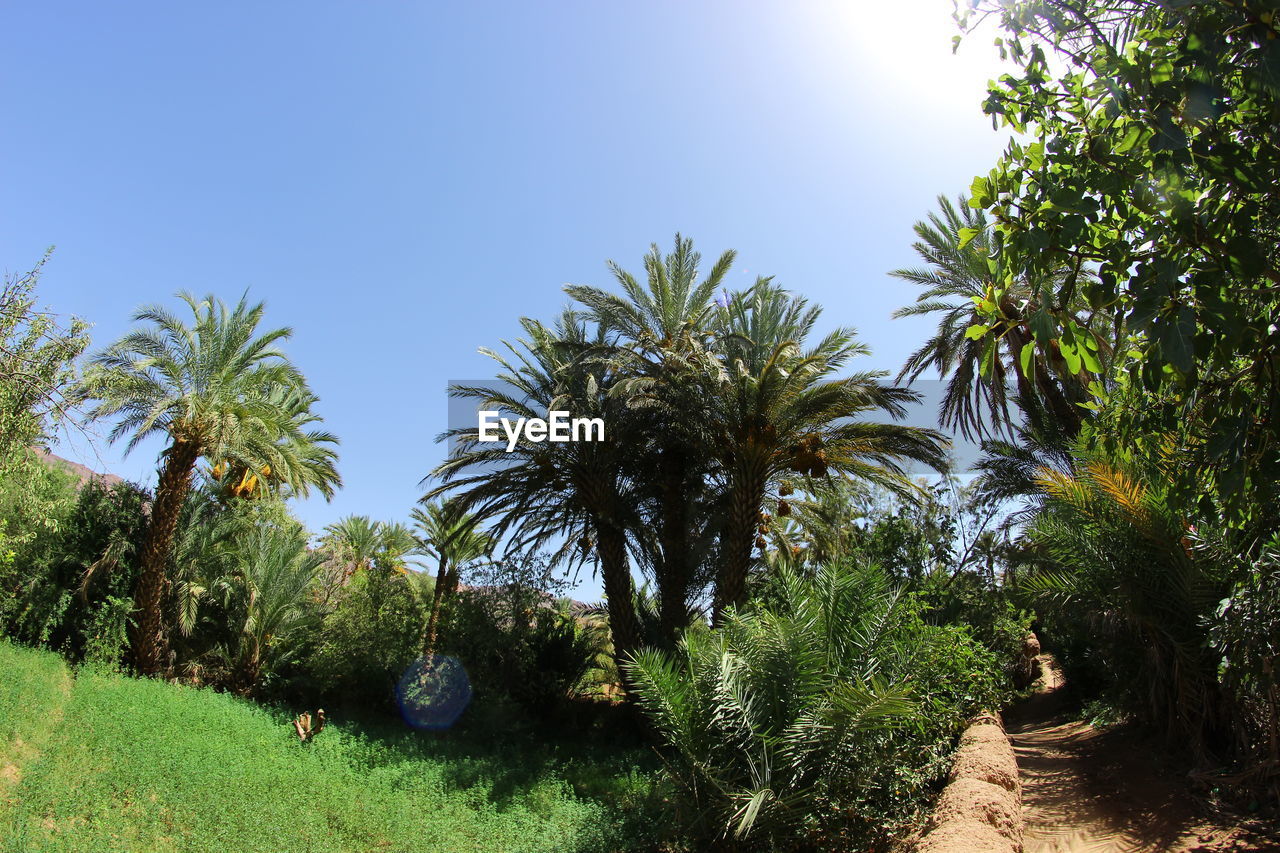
{"type": "Point", "coordinates": [619, 591]}
{"type": "Point", "coordinates": [739, 538]}
{"type": "Point", "coordinates": [673, 584]}
{"type": "Point", "coordinates": [446, 581]}
{"type": "Point", "coordinates": [150, 650]}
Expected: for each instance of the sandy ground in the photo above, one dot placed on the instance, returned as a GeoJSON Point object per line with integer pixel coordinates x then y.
{"type": "Point", "coordinates": [1086, 790]}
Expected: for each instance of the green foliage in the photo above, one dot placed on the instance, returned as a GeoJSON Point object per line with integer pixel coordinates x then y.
{"type": "Point", "coordinates": [822, 711]}
{"type": "Point", "coordinates": [729, 397]}
{"type": "Point", "coordinates": [37, 366]}
{"type": "Point", "coordinates": [218, 386]}
{"type": "Point", "coordinates": [1245, 631]}
{"type": "Point", "coordinates": [74, 565]}
{"type": "Point", "coordinates": [373, 632]}
{"type": "Point", "coordinates": [990, 614]}
{"type": "Point", "coordinates": [985, 341]}
{"type": "Point", "coordinates": [1153, 160]}
{"type": "Point", "coordinates": [1125, 583]}
{"type": "Point", "coordinates": [145, 765]}
{"type": "Point", "coordinates": [519, 642]}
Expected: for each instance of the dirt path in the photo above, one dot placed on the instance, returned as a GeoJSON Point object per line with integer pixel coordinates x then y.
{"type": "Point", "coordinates": [1086, 790]}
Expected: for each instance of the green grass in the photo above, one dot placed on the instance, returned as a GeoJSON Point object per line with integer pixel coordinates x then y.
{"type": "Point", "coordinates": [116, 763]}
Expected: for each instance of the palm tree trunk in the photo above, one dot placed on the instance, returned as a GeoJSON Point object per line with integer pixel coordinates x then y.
{"type": "Point", "coordinates": [150, 650]}
{"type": "Point", "coordinates": [739, 538]}
{"type": "Point", "coordinates": [1042, 386]}
{"type": "Point", "coordinates": [437, 602]}
{"type": "Point", "coordinates": [619, 592]}
{"type": "Point", "coordinates": [673, 583]}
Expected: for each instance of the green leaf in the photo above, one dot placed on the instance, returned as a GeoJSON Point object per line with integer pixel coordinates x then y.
{"type": "Point", "coordinates": [1175, 339]}
{"type": "Point", "coordinates": [1026, 357]}
{"type": "Point", "coordinates": [1072, 357]}
{"type": "Point", "coordinates": [976, 331]}
{"type": "Point", "coordinates": [967, 235]}
{"type": "Point", "coordinates": [979, 193]}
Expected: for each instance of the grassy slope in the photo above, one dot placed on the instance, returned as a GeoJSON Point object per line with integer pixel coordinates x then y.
{"type": "Point", "coordinates": [143, 765]}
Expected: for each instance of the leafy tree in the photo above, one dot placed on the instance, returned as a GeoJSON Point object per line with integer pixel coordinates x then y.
{"type": "Point", "coordinates": [1153, 160]}
{"type": "Point", "coordinates": [371, 630]}
{"type": "Point", "coordinates": [216, 389]}
{"type": "Point", "coordinates": [37, 366]}
{"type": "Point", "coordinates": [74, 560]}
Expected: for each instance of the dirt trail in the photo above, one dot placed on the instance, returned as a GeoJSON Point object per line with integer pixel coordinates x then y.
{"type": "Point", "coordinates": [1086, 790]}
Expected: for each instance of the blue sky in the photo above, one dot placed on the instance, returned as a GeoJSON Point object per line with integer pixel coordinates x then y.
{"type": "Point", "coordinates": [401, 181]}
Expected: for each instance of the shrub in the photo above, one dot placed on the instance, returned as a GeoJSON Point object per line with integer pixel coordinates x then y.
{"type": "Point", "coordinates": [821, 712]}
{"type": "Point", "coordinates": [518, 641]}
{"type": "Point", "coordinates": [73, 568]}
{"type": "Point", "coordinates": [373, 633]}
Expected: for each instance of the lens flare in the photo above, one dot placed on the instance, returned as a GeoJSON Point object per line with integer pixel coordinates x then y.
{"type": "Point", "coordinates": [433, 694]}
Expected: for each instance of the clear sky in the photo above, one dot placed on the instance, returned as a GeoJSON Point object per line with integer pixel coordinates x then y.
{"type": "Point", "coordinates": [400, 181]}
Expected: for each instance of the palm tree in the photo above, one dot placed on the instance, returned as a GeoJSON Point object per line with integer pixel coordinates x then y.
{"type": "Point", "coordinates": [962, 269]}
{"type": "Point", "coordinates": [396, 544]}
{"type": "Point", "coordinates": [571, 492]}
{"type": "Point", "coordinates": [660, 347]}
{"type": "Point", "coordinates": [778, 414]}
{"type": "Point", "coordinates": [1117, 565]}
{"type": "Point", "coordinates": [265, 596]}
{"type": "Point", "coordinates": [451, 537]}
{"type": "Point", "coordinates": [354, 542]}
{"type": "Point", "coordinates": [214, 388]}
{"type": "Point", "coordinates": [767, 716]}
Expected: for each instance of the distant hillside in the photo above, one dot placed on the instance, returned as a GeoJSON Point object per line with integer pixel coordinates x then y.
{"type": "Point", "coordinates": [83, 473]}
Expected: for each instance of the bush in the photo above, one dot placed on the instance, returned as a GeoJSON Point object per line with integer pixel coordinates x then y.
{"type": "Point", "coordinates": [373, 633]}
{"type": "Point", "coordinates": [819, 715]}
{"type": "Point", "coordinates": [967, 598]}
{"type": "Point", "coordinates": [519, 642]}
{"type": "Point", "coordinates": [73, 572]}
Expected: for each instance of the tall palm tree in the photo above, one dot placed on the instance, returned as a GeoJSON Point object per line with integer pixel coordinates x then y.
{"type": "Point", "coordinates": [660, 347]}
{"type": "Point", "coordinates": [962, 269]}
{"type": "Point", "coordinates": [571, 492]}
{"type": "Point", "coordinates": [214, 388]}
{"type": "Point", "coordinates": [396, 544]}
{"type": "Point", "coordinates": [779, 413]}
{"type": "Point", "coordinates": [451, 537]}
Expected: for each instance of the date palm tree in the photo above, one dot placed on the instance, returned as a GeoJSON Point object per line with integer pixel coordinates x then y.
{"type": "Point", "coordinates": [960, 271]}
{"type": "Point", "coordinates": [215, 389]}
{"type": "Point", "coordinates": [451, 537]}
{"type": "Point", "coordinates": [265, 595]}
{"type": "Point", "coordinates": [780, 412]}
{"type": "Point", "coordinates": [574, 493]}
{"type": "Point", "coordinates": [353, 542]}
{"type": "Point", "coordinates": [660, 334]}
